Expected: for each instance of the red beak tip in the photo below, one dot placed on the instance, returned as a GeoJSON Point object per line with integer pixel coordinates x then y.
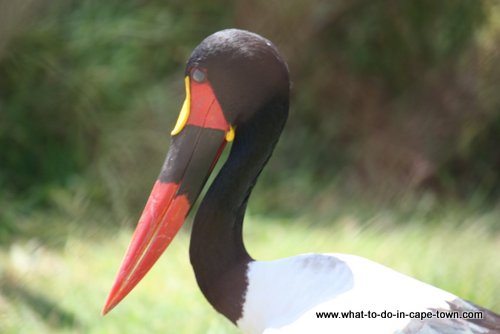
{"type": "Point", "coordinates": [162, 218]}
{"type": "Point", "coordinates": [107, 307]}
{"type": "Point", "coordinates": [110, 304]}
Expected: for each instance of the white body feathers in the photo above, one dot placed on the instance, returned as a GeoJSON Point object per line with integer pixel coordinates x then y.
{"type": "Point", "coordinates": [284, 295]}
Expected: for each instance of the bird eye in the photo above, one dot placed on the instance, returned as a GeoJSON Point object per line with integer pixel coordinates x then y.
{"type": "Point", "coordinates": [198, 75]}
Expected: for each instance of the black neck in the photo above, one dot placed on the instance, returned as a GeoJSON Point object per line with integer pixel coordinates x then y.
{"type": "Point", "coordinates": [217, 251]}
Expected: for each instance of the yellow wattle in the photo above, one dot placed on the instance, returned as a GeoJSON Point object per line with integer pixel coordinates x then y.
{"type": "Point", "coordinates": [230, 134]}
{"type": "Point", "coordinates": [184, 114]}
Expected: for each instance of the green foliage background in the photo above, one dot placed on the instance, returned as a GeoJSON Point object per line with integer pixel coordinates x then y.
{"type": "Point", "coordinates": [88, 91]}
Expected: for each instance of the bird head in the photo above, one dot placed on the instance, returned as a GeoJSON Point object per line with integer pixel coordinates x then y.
{"type": "Point", "coordinates": [229, 78]}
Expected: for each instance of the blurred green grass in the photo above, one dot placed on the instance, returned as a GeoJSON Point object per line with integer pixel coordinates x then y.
{"type": "Point", "coordinates": [62, 289]}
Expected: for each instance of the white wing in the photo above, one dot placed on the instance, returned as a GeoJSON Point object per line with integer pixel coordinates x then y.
{"type": "Point", "coordinates": [289, 295]}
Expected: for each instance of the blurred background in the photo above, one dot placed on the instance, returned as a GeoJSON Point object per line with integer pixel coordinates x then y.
{"type": "Point", "coordinates": [391, 149]}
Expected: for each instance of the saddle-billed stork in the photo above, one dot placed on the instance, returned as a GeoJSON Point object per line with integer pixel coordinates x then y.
{"type": "Point", "coordinates": [237, 87]}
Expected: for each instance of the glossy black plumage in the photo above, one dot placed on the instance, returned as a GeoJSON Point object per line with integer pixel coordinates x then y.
{"type": "Point", "coordinates": [250, 80]}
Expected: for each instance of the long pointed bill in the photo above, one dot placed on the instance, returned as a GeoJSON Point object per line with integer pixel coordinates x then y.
{"type": "Point", "coordinates": [198, 140]}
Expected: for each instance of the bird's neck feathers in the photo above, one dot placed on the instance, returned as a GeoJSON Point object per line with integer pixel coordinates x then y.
{"type": "Point", "coordinates": [217, 251]}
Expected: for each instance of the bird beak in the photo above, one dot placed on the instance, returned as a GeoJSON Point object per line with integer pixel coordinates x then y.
{"type": "Point", "coordinates": [199, 138]}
